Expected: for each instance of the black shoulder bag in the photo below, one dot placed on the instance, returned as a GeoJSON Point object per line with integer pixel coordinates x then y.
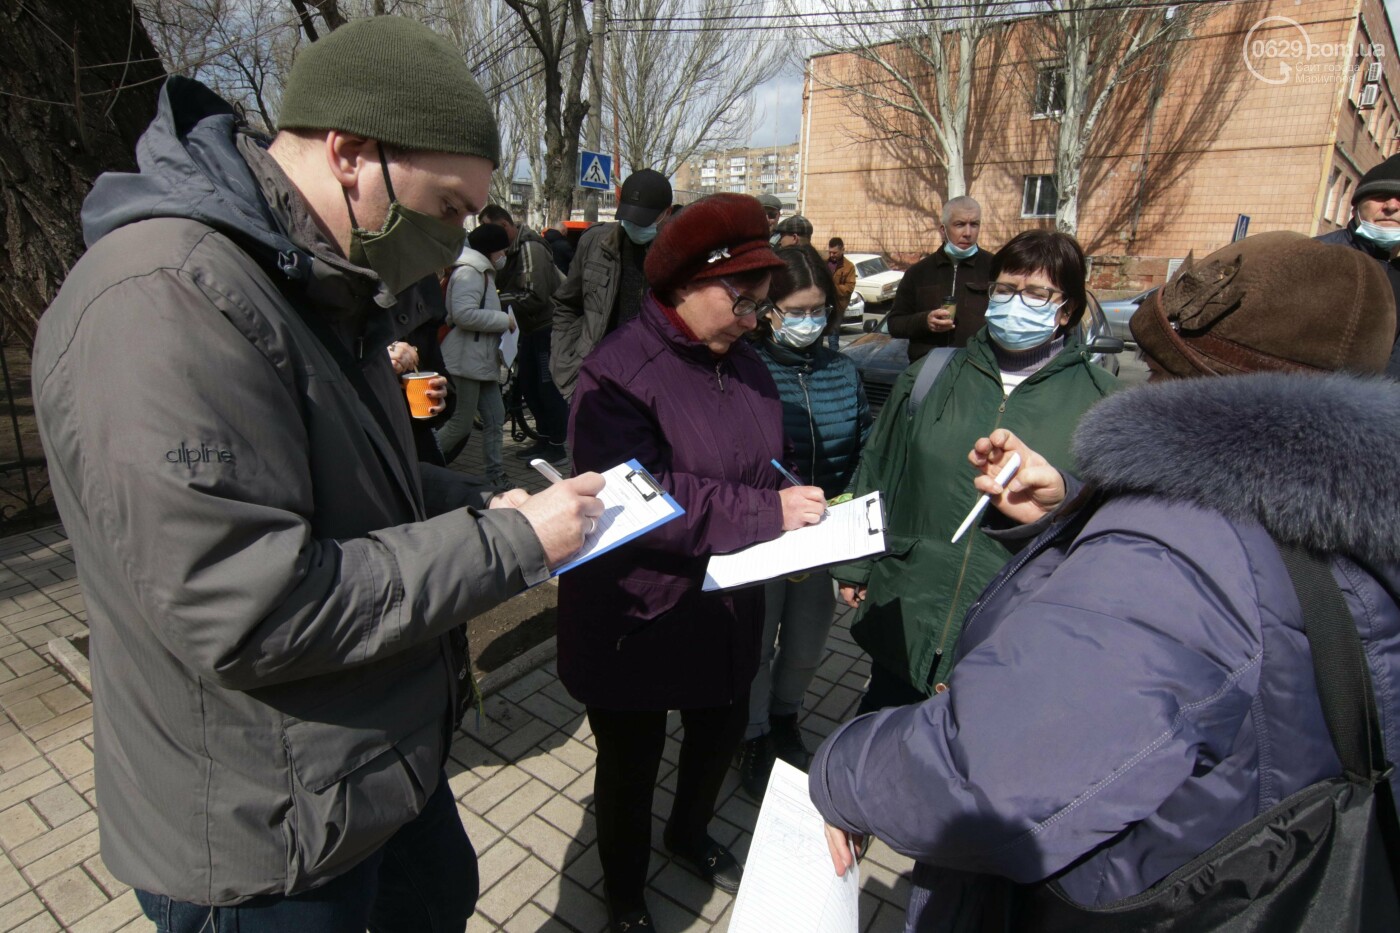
{"type": "Point", "coordinates": [1324, 859]}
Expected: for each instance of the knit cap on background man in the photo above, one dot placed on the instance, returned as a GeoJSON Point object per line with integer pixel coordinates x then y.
{"type": "Point", "coordinates": [393, 80]}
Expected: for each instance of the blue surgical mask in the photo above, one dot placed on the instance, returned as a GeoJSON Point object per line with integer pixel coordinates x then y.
{"type": "Point", "coordinates": [957, 252]}
{"type": "Point", "coordinates": [1384, 237]}
{"type": "Point", "coordinates": [639, 235]}
{"type": "Point", "coordinates": [799, 332]}
{"type": "Point", "coordinates": [1015, 326]}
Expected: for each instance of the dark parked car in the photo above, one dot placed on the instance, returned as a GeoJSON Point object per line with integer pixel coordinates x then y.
{"type": "Point", "coordinates": [880, 358]}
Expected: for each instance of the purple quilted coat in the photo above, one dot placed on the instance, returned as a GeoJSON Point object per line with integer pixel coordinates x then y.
{"type": "Point", "coordinates": [635, 630]}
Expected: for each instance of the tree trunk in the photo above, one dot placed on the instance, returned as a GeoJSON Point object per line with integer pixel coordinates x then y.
{"type": "Point", "coordinates": [81, 80]}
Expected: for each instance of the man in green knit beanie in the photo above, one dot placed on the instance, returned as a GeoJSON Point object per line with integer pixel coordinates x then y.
{"type": "Point", "coordinates": [277, 588]}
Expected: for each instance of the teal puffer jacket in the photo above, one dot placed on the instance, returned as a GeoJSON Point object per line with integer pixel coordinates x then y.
{"type": "Point", "coordinates": [825, 415]}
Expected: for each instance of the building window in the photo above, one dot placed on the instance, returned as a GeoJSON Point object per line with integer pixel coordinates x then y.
{"type": "Point", "coordinates": [1331, 208]}
{"type": "Point", "coordinates": [1343, 204]}
{"type": "Point", "coordinates": [1038, 198]}
{"type": "Point", "coordinates": [1049, 91]}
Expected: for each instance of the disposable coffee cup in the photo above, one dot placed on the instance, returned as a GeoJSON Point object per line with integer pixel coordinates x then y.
{"type": "Point", "coordinates": [415, 385]}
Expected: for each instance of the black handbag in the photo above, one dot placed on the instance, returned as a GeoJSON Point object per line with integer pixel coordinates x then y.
{"type": "Point", "coordinates": [1323, 859]}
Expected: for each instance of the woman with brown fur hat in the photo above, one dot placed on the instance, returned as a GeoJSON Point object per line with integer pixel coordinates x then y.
{"type": "Point", "coordinates": [1138, 684]}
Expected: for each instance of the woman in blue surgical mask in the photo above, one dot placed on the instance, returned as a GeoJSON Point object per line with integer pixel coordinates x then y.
{"type": "Point", "coordinates": [1026, 367]}
{"type": "Point", "coordinates": [826, 420]}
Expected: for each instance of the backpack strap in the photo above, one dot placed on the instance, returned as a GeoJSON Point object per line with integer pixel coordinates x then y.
{"type": "Point", "coordinates": [934, 364]}
{"type": "Point", "coordinates": [1344, 686]}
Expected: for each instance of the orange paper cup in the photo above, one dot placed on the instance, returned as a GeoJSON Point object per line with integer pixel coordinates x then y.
{"type": "Point", "coordinates": [416, 387]}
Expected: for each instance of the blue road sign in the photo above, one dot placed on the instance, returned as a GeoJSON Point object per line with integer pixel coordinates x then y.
{"type": "Point", "coordinates": [1241, 228]}
{"type": "Point", "coordinates": [594, 170]}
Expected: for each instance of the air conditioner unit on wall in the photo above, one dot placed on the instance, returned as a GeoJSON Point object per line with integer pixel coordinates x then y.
{"type": "Point", "coordinates": [1373, 72]}
{"type": "Point", "coordinates": [1369, 93]}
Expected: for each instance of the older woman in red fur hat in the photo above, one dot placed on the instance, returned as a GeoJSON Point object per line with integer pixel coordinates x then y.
{"type": "Point", "coordinates": [679, 390]}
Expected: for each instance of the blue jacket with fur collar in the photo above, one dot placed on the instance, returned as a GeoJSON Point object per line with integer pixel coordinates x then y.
{"type": "Point", "coordinates": [1136, 684]}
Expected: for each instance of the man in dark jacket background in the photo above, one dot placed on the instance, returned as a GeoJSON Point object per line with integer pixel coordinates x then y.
{"type": "Point", "coordinates": [942, 299]}
{"type": "Point", "coordinates": [277, 590]}
{"type": "Point", "coordinates": [561, 248]}
{"type": "Point", "coordinates": [1375, 230]}
{"type": "Point", "coordinates": [606, 283]}
{"type": "Point", "coordinates": [526, 285]}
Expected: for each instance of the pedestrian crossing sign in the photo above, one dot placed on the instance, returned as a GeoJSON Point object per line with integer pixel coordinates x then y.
{"type": "Point", "coordinates": [594, 171]}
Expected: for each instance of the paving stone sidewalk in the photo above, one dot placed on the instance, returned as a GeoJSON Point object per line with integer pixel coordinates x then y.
{"type": "Point", "coordinates": [522, 776]}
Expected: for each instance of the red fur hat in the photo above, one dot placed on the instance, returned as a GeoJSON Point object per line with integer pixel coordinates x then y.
{"type": "Point", "coordinates": [719, 235]}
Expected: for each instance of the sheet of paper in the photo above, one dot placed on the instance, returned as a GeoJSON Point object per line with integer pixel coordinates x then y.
{"type": "Point", "coordinates": [789, 882]}
{"type": "Point", "coordinates": [633, 504]}
{"type": "Point", "coordinates": [848, 531]}
{"type": "Point", "coordinates": [510, 342]}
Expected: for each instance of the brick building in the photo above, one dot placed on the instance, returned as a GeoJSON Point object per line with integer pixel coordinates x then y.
{"type": "Point", "coordinates": [770, 170]}
{"type": "Point", "coordinates": [1274, 110]}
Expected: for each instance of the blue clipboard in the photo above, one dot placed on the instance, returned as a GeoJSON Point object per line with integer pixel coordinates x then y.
{"type": "Point", "coordinates": [634, 504]}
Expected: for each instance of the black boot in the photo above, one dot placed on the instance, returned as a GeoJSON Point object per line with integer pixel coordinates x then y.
{"type": "Point", "coordinates": [755, 762]}
{"type": "Point", "coordinates": [710, 860]}
{"type": "Point", "coordinates": [787, 742]}
{"type": "Point", "coordinates": [635, 921]}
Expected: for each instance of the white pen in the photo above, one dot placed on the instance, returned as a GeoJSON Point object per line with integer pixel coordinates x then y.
{"type": "Point", "coordinates": [1003, 477]}
{"type": "Point", "coordinates": [547, 471]}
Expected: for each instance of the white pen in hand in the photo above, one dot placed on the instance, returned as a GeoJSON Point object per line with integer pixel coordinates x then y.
{"type": "Point", "coordinates": [1002, 479]}
{"type": "Point", "coordinates": [547, 471]}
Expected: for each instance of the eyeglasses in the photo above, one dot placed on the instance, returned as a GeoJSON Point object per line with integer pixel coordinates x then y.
{"type": "Point", "coordinates": [1035, 296]}
{"type": "Point", "coordinates": [744, 305]}
{"type": "Point", "coordinates": [821, 311]}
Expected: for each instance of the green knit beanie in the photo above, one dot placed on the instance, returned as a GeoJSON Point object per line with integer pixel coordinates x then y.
{"type": "Point", "coordinates": [394, 80]}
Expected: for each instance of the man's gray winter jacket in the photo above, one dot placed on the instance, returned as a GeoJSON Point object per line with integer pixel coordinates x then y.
{"type": "Point", "coordinates": [275, 616]}
{"type": "Point", "coordinates": [583, 306]}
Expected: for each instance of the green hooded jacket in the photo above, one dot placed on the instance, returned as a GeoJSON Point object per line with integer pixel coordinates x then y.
{"type": "Point", "coordinates": [921, 589]}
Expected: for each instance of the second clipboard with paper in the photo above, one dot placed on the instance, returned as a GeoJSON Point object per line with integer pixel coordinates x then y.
{"type": "Point", "coordinates": [847, 532]}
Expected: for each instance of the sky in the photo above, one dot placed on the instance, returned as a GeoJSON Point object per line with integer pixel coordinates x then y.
{"type": "Point", "coordinates": [778, 108]}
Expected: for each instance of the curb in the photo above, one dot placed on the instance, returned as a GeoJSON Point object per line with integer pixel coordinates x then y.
{"type": "Point", "coordinates": [513, 670]}
{"type": "Point", "coordinates": [73, 661]}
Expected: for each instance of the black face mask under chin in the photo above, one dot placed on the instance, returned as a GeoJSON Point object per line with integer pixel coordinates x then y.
{"type": "Point", "coordinates": [409, 246]}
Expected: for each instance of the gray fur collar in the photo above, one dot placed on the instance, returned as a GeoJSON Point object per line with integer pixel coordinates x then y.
{"type": "Point", "coordinates": [1314, 459]}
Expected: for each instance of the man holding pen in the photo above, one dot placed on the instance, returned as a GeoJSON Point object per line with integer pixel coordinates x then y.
{"type": "Point", "coordinates": [681, 391]}
{"type": "Point", "coordinates": [277, 589]}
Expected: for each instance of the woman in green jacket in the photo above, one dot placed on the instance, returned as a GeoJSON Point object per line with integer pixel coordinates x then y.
{"type": "Point", "coordinates": [1026, 371]}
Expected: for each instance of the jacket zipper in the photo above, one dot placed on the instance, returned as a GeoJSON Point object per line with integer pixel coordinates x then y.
{"type": "Point", "coordinates": [962, 571]}
{"type": "Point", "coordinates": [811, 425]}
{"type": "Point", "coordinates": [719, 376]}
{"type": "Point", "coordinates": [967, 552]}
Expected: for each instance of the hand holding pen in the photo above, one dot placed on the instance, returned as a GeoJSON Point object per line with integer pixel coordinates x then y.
{"type": "Point", "coordinates": [802, 505]}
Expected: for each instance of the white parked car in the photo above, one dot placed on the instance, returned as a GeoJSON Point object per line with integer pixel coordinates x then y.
{"type": "Point", "coordinates": [854, 318]}
{"type": "Point", "coordinates": [875, 281]}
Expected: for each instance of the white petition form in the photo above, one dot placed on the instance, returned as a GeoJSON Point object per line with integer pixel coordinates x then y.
{"type": "Point", "coordinates": [633, 504]}
{"type": "Point", "coordinates": [848, 531]}
{"type": "Point", "coordinates": [510, 341]}
{"type": "Point", "coordinates": [789, 882]}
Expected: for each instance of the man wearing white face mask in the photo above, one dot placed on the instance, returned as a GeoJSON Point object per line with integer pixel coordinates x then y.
{"type": "Point", "coordinates": [943, 297]}
{"type": "Point", "coordinates": [1375, 230]}
{"type": "Point", "coordinates": [605, 284]}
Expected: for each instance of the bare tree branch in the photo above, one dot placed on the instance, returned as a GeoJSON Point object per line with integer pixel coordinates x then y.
{"type": "Point", "coordinates": [910, 84]}
{"type": "Point", "coordinates": [1101, 45]}
{"type": "Point", "coordinates": [675, 92]}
